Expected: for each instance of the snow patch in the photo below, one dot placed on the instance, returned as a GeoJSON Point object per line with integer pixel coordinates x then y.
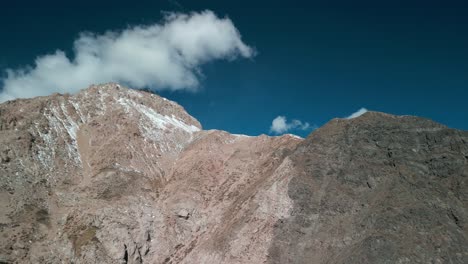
{"type": "Point", "coordinates": [70, 125]}
{"type": "Point", "coordinates": [161, 132]}
{"type": "Point", "coordinates": [358, 113]}
{"type": "Point", "coordinates": [60, 121]}
{"type": "Point", "coordinates": [125, 105]}
{"type": "Point", "coordinates": [160, 121]}
{"type": "Point", "coordinates": [103, 106]}
{"type": "Point", "coordinates": [46, 152]}
{"type": "Point", "coordinates": [294, 136]}
{"type": "Point", "coordinates": [241, 135]}
{"type": "Point", "coordinates": [77, 107]}
{"type": "Point", "coordinates": [135, 93]}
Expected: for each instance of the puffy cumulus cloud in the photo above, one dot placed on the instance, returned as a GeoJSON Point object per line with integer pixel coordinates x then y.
{"type": "Point", "coordinates": [159, 56]}
{"type": "Point", "coordinates": [357, 113]}
{"type": "Point", "coordinates": [281, 125]}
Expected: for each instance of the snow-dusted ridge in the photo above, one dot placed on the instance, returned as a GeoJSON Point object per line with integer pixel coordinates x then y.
{"type": "Point", "coordinates": [160, 121]}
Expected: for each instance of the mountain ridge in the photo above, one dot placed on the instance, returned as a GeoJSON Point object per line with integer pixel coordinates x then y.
{"type": "Point", "coordinates": [114, 175]}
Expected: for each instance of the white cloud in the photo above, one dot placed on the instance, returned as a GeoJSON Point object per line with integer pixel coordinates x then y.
{"type": "Point", "coordinates": [281, 125]}
{"type": "Point", "coordinates": [159, 56]}
{"type": "Point", "coordinates": [357, 113]}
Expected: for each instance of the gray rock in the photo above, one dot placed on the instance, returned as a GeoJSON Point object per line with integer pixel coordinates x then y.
{"type": "Point", "coordinates": [377, 189]}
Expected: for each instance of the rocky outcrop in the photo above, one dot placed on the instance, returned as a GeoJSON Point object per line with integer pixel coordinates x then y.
{"type": "Point", "coordinates": [113, 175]}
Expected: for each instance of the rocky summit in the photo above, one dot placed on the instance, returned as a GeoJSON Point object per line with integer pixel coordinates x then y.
{"type": "Point", "coordinates": [114, 175]}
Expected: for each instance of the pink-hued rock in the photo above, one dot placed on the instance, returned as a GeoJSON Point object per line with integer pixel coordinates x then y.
{"type": "Point", "coordinates": [114, 175]}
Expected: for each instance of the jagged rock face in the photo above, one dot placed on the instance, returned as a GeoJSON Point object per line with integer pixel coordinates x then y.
{"type": "Point", "coordinates": [115, 175]}
{"type": "Point", "coordinates": [112, 175]}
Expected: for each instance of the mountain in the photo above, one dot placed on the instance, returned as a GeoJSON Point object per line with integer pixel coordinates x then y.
{"type": "Point", "coordinates": [114, 175]}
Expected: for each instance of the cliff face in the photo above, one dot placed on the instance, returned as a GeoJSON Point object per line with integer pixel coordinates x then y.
{"type": "Point", "coordinates": [112, 175]}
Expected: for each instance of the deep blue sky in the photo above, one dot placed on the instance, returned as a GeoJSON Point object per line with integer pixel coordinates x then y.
{"type": "Point", "coordinates": [316, 59]}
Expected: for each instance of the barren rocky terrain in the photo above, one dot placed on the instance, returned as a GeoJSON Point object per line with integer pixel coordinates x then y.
{"type": "Point", "coordinates": [114, 175]}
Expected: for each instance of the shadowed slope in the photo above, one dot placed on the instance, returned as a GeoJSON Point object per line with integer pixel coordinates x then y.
{"type": "Point", "coordinates": [377, 189]}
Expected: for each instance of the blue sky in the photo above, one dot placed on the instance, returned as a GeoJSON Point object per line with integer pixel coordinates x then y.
{"type": "Point", "coordinates": [315, 60]}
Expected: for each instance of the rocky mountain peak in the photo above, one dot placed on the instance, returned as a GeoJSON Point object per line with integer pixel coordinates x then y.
{"type": "Point", "coordinates": [114, 175]}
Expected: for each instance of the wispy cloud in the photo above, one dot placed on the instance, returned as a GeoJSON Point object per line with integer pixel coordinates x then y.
{"type": "Point", "coordinates": [159, 56]}
{"type": "Point", "coordinates": [281, 125]}
{"type": "Point", "coordinates": [357, 113]}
